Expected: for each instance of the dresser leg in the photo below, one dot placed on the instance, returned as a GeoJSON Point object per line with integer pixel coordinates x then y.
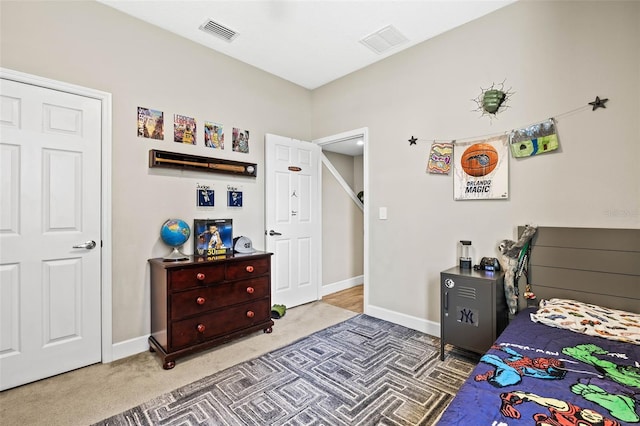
{"type": "Point", "coordinates": [168, 365]}
{"type": "Point", "coordinates": [267, 330]}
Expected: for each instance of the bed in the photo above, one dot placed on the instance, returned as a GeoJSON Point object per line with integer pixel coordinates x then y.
{"type": "Point", "coordinates": [573, 358]}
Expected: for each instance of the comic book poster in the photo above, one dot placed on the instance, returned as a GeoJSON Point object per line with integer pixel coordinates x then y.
{"type": "Point", "coordinates": [213, 135]}
{"type": "Point", "coordinates": [150, 123]}
{"type": "Point", "coordinates": [184, 129]}
{"type": "Point", "coordinates": [240, 140]}
{"type": "Point", "coordinates": [213, 237]}
{"type": "Point", "coordinates": [440, 158]}
{"type": "Point", "coordinates": [481, 169]}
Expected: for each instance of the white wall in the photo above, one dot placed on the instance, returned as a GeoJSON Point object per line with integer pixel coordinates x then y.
{"type": "Point", "coordinates": [556, 56]}
{"type": "Point", "coordinates": [342, 226]}
{"type": "Point", "coordinates": [358, 173]}
{"type": "Point", "coordinates": [89, 44]}
{"type": "Point", "coordinates": [344, 164]}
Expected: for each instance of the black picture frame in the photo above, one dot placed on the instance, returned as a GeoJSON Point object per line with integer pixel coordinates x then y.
{"type": "Point", "coordinates": [205, 197]}
{"type": "Point", "coordinates": [234, 198]}
{"type": "Point", "coordinates": [222, 234]}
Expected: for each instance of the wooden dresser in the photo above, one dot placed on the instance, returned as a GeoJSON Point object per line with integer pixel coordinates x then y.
{"type": "Point", "coordinates": [204, 302]}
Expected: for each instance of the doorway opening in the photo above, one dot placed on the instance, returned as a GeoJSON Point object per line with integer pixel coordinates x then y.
{"type": "Point", "coordinates": [345, 213]}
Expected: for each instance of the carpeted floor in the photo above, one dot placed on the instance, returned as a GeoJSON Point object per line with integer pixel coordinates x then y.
{"type": "Point", "coordinates": [363, 371]}
{"type": "Point", "coordinates": [90, 394]}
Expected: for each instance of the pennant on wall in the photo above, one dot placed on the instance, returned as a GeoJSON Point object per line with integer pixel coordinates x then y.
{"type": "Point", "coordinates": [533, 140]}
{"type": "Point", "coordinates": [440, 158]}
{"type": "Point", "coordinates": [481, 169]}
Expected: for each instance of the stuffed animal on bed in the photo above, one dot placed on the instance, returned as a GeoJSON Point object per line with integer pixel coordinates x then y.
{"type": "Point", "coordinates": [512, 253]}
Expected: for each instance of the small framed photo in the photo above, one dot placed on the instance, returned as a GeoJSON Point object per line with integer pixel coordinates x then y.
{"type": "Point", "coordinates": [234, 198]}
{"type": "Point", "coordinates": [206, 197]}
{"type": "Point", "coordinates": [240, 140]}
{"type": "Point", "coordinates": [212, 237]}
{"type": "Point", "coordinates": [213, 135]}
{"type": "Point", "coordinates": [184, 129]}
{"type": "Point", "coordinates": [150, 123]}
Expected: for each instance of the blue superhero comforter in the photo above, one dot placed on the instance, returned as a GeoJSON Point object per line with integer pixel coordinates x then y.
{"type": "Point", "coordinates": [536, 374]}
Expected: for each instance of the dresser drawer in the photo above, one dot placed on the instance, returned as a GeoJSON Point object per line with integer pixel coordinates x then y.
{"type": "Point", "coordinates": [218, 323]}
{"type": "Point", "coordinates": [199, 300]}
{"type": "Point", "coordinates": [180, 279]}
{"type": "Point", "coordinates": [248, 268]}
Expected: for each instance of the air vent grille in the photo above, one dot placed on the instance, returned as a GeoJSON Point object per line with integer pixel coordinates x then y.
{"type": "Point", "coordinates": [468, 292]}
{"type": "Point", "coordinates": [384, 39]}
{"type": "Point", "coordinates": [219, 30]}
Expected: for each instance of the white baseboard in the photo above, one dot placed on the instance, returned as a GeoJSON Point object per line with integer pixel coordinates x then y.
{"type": "Point", "coordinates": [415, 323]}
{"type": "Point", "coordinates": [130, 347]}
{"type": "Point", "coordinates": [341, 285]}
{"type": "Point", "coordinates": [141, 344]}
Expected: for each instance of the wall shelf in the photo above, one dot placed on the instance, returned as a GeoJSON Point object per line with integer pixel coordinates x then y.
{"type": "Point", "coordinates": [175, 160]}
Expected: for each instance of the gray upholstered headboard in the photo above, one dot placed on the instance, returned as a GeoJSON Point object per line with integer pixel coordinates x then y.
{"type": "Point", "coordinates": [593, 265]}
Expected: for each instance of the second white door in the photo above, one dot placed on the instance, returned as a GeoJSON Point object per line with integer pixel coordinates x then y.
{"type": "Point", "coordinates": [293, 219]}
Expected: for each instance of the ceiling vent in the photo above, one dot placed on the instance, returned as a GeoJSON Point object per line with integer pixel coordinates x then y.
{"type": "Point", "coordinates": [219, 30]}
{"type": "Point", "coordinates": [384, 39]}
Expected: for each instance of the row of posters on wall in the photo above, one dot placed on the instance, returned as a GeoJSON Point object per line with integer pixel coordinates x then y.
{"type": "Point", "coordinates": [481, 167]}
{"type": "Point", "coordinates": [185, 130]}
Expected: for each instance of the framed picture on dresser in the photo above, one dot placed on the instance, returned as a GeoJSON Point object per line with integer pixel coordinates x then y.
{"type": "Point", "coordinates": [212, 237]}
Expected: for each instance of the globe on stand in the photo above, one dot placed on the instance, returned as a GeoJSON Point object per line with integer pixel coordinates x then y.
{"type": "Point", "coordinates": [174, 233]}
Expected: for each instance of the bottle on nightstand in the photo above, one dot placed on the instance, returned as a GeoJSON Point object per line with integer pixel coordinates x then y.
{"type": "Point", "coordinates": [465, 254]}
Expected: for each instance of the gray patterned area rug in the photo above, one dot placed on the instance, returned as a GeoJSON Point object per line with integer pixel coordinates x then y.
{"type": "Point", "coordinates": [363, 371]}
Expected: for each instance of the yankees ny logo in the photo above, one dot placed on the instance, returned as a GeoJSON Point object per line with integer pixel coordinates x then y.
{"type": "Point", "coordinates": [466, 316]}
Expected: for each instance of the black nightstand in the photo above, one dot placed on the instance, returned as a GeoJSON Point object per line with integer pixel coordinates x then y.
{"type": "Point", "coordinates": [473, 310]}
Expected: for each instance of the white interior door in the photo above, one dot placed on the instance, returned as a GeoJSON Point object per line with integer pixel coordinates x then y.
{"type": "Point", "coordinates": [293, 219]}
{"type": "Point", "coordinates": [50, 303]}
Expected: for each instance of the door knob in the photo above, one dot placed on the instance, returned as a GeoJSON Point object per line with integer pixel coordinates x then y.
{"type": "Point", "coordinates": [88, 245]}
{"type": "Point", "coordinates": [272, 233]}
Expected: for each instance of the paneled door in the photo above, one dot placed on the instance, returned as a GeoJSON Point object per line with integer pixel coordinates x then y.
{"type": "Point", "coordinates": [50, 277]}
{"type": "Point", "coordinates": [293, 219]}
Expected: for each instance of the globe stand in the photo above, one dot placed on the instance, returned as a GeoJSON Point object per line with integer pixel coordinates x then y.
{"type": "Point", "coordinates": [175, 256]}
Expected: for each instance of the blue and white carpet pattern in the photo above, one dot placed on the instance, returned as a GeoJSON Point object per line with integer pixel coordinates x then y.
{"type": "Point", "coordinates": [363, 371]}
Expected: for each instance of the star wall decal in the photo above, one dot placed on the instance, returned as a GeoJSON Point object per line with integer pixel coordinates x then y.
{"type": "Point", "coordinates": [413, 140]}
{"type": "Point", "coordinates": [598, 103]}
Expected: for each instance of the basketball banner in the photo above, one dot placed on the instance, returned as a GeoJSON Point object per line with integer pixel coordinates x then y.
{"type": "Point", "coordinates": [481, 169]}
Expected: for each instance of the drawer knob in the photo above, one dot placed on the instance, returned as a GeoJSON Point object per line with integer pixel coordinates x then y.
{"type": "Point", "coordinates": [200, 300]}
{"type": "Point", "coordinates": [200, 276]}
{"type": "Point", "coordinates": [200, 328]}
{"type": "Point", "coordinates": [249, 268]}
{"type": "Point", "coordinates": [250, 290]}
{"type": "Point", "coordinates": [250, 314]}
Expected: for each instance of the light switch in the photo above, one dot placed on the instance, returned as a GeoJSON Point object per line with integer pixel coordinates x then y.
{"type": "Point", "coordinates": [382, 213]}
